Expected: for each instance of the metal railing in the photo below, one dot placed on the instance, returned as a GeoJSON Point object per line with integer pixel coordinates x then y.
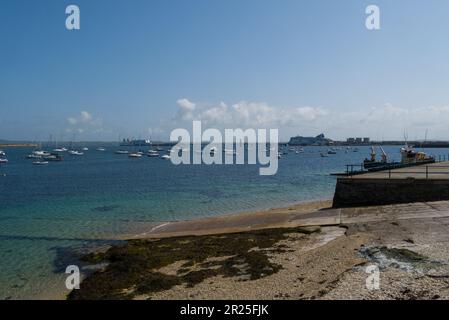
{"type": "Point", "coordinates": [425, 171]}
{"type": "Point", "coordinates": [391, 169]}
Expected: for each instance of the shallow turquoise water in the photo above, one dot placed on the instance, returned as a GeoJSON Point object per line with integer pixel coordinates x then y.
{"type": "Point", "coordinates": [50, 213]}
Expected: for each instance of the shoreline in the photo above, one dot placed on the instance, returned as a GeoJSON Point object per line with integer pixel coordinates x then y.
{"type": "Point", "coordinates": [274, 217]}
{"type": "Point", "coordinates": [281, 260]}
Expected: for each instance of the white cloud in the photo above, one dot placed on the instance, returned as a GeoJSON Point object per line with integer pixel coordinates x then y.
{"type": "Point", "coordinates": [86, 116]}
{"type": "Point", "coordinates": [186, 104]}
{"type": "Point", "coordinates": [247, 114]}
{"type": "Point", "coordinates": [84, 122]}
{"type": "Point", "coordinates": [379, 122]}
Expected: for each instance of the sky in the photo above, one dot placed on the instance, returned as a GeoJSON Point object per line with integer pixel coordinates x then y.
{"type": "Point", "coordinates": [140, 68]}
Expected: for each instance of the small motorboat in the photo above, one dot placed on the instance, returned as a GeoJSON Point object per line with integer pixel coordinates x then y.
{"type": "Point", "coordinates": [331, 152]}
{"type": "Point", "coordinates": [101, 149]}
{"type": "Point", "coordinates": [122, 152]}
{"type": "Point", "coordinates": [40, 163]}
{"type": "Point", "coordinates": [41, 153]}
{"type": "Point", "coordinates": [33, 156]}
{"type": "Point", "coordinates": [135, 155]}
{"type": "Point", "coordinates": [153, 153]}
{"type": "Point", "coordinates": [2, 153]}
{"type": "Point", "coordinates": [60, 150]}
{"type": "Point", "coordinates": [53, 157]}
{"type": "Point", "coordinates": [165, 157]}
{"type": "Point", "coordinates": [3, 160]}
{"type": "Point", "coordinates": [324, 155]}
{"type": "Point", "coordinates": [85, 149]}
{"type": "Point", "coordinates": [76, 153]}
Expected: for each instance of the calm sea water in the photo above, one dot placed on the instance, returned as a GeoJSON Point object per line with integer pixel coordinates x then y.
{"type": "Point", "coordinates": [50, 213]}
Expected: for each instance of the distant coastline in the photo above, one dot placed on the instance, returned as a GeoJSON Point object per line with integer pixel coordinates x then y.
{"type": "Point", "coordinates": [18, 145]}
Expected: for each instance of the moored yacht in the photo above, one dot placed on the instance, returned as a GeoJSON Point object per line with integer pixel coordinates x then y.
{"type": "Point", "coordinates": [153, 153]}
{"type": "Point", "coordinates": [40, 162]}
{"type": "Point", "coordinates": [53, 157]}
{"type": "Point", "coordinates": [135, 155]}
{"type": "Point", "coordinates": [121, 152]}
{"type": "Point", "coordinates": [75, 153]}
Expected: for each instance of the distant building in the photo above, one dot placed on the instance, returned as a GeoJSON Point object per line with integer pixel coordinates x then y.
{"type": "Point", "coordinates": [358, 140]}
{"type": "Point", "coordinates": [135, 143]}
{"type": "Point", "coordinates": [319, 140]}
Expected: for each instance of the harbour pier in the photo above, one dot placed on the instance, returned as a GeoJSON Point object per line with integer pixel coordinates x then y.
{"type": "Point", "coordinates": [421, 183]}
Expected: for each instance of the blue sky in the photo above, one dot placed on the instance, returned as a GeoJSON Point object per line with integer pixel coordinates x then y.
{"type": "Point", "coordinates": [140, 68]}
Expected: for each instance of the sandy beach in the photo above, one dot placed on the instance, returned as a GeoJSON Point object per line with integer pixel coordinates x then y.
{"type": "Point", "coordinates": [306, 251]}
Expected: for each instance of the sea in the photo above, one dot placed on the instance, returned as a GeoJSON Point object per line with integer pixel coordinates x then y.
{"type": "Point", "coordinates": [51, 214]}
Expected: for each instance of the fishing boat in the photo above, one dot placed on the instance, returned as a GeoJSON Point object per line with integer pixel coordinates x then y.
{"type": "Point", "coordinates": [409, 157]}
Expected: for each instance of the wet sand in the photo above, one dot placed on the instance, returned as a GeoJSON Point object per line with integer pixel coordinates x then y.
{"type": "Point", "coordinates": [251, 220]}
